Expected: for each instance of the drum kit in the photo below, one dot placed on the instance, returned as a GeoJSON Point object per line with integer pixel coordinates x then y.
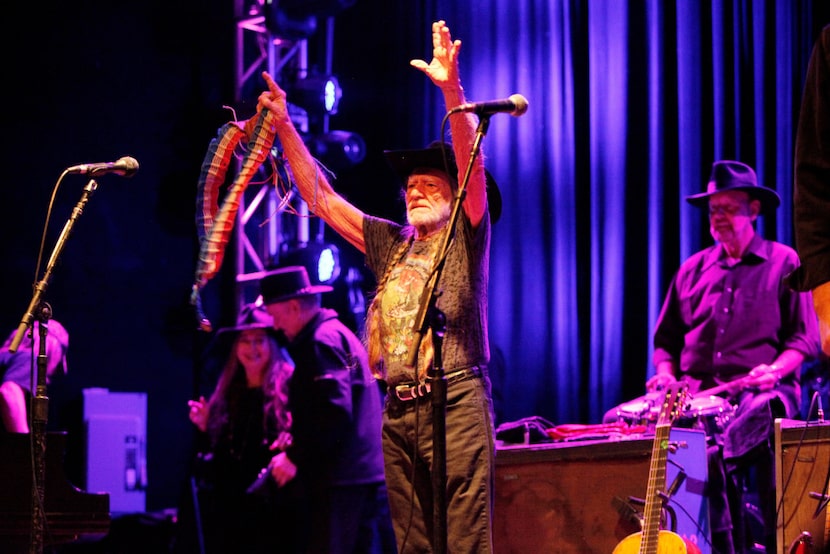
{"type": "Point", "coordinates": [707, 412]}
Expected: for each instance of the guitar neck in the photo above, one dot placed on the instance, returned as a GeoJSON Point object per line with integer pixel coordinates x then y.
{"type": "Point", "coordinates": [656, 485]}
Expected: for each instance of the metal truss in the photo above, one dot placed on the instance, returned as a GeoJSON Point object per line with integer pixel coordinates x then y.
{"type": "Point", "coordinates": [262, 223]}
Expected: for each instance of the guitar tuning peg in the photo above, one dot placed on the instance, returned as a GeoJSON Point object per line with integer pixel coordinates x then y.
{"type": "Point", "coordinates": [674, 445]}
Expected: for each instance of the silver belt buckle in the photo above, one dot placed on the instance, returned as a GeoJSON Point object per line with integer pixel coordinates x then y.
{"type": "Point", "coordinates": [406, 393]}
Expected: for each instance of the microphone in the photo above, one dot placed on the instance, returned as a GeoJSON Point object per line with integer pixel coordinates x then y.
{"type": "Point", "coordinates": [126, 167]}
{"type": "Point", "coordinates": [515, 105]}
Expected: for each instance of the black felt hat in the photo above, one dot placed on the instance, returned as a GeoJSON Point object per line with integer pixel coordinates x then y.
{"type": "Point", "coordinates": [405, 162]}
{"type": "Point", "coordinates": [285, 283]}
{"type": "Point", "coordinates": [731, 175]}
{"type": "Point", "coordinates": [251, 316]}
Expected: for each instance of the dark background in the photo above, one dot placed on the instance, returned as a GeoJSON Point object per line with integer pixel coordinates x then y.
{"type": "Point", "coordinates": [91, 81]}
{"type": "Point", "coordinates": [94, 81]}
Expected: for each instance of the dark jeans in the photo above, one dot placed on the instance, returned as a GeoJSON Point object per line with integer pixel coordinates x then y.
{"type": "Point", "coordinates": [344, 519]}
{"type": "Point", "coordinates": [745, 454]}
{"type": "Point", "coordinates": [408, 453]}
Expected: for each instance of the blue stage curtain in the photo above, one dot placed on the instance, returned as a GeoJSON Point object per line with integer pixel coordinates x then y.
{"type": "Point", "coordinates": [630, 103]}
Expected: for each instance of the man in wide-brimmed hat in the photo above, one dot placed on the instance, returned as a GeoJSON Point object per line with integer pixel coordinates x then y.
{"type": "Point", "coordinates": [335, 455]}
{"type": "Point", "coordinates": [729, 325]}
{"type": "Point", "coordinates": [402, 258]}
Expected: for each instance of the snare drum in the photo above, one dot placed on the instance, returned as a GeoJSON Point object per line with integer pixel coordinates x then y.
{"type": "Point", "coordinates": [710, 413]}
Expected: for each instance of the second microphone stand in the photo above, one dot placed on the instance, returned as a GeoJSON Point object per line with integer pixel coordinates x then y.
{"type": "Point", "coordinates": [40, 406]}
{"type": "Point", "coordinates": [431, 318]}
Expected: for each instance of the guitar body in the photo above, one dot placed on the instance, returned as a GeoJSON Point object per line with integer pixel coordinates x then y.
{"type": "Point", "coordinates": [667, 543]}
{"type": "Point", "coordinates": [652, 539]}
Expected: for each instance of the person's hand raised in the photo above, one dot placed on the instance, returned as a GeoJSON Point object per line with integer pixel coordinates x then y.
{"type": "Point", "coordinates": [443, 69]}
{"type": "Point", "coordinates": [198, 413]}
{"type": "Point", "coordinates": [274, 99]}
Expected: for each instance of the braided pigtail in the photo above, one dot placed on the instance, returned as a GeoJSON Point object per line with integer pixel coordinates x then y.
{"type": "Point", "coordinates": [371, 336]}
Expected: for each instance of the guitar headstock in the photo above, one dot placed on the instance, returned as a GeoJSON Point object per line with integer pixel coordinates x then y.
{"type": "Point", "coordinates": [673, 403]}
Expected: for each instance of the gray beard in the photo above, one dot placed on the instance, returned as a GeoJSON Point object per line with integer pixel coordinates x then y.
{"type": "Point", "coordinates": [432, 220]}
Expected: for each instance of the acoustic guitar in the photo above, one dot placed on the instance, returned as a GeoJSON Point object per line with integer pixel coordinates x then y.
{"type": "Point", "coordinates": [652, 539]}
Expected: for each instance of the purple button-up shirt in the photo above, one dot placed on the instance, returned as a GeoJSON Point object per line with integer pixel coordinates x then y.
{"type": "Point", "coordinates": [720, 321]}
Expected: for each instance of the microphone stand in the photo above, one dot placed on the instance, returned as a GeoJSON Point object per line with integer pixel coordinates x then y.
{"type": "Point", "coordinates": [429, 316]}
{"type": "Point", "coordinates": [39, 415]}
{"type": "Point", "coordinates": [40, 287]}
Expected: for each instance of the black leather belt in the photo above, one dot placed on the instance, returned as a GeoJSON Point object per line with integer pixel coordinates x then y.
{"type": "Point", "coordinates": [410, 391]}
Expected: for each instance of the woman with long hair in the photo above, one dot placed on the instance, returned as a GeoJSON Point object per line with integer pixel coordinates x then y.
{"type": "Point", "coordinates": [243, 424]}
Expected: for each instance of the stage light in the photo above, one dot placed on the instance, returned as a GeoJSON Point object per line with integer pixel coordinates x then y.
{"type": "Point", "coordinates": [338, 150]}
{"type": "Point", "coordinates": [314, 7]}
{"type": "Point", "coordinates": [297, 19]}
{"type": "Point", "coordinates": [281, 25]}
{"type": "Point", "coordinates": [331, 95]}
{"type": "Point", "coordinates": [328, 264]}
{"type": "Point", "coordinates": [317, 94]}
{"type": "Point", "coordinates": [321, 260]}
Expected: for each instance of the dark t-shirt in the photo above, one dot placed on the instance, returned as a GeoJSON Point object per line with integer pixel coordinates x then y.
{"type": "Point", "coordinates": [462, 299]}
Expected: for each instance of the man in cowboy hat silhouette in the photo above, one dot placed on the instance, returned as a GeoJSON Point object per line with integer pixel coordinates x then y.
{"type": "Point", "coordinates": [335, 455]}
{"type": "Point", "coordinates": [402, 257]}
{"type": "Point", "coordinates": [729, 321]}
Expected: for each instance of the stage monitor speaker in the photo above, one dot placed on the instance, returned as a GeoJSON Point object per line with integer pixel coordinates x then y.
{"type": "Point", "coordinates": [802, 463]}
{"type": "Point", "coordinates": [576, 497]}
{"type": "Point", "coordinates": [116, 461]}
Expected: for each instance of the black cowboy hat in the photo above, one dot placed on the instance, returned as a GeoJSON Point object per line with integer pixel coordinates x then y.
{"type": "Point", "coordinates": [285, 283]}
{"type": "Point", "coordinates": [731, 175]}
{"type": "Point", "coordinates": [251, 316]}
{"type": "Point", "coordinates": [405, 162]}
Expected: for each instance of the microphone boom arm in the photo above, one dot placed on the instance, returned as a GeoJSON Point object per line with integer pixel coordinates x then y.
{"type": "Point", "coordinates": [28, 317]}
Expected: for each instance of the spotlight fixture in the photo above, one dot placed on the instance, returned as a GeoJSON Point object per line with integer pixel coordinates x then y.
{"type": "Point", "coordinates": [317, 94]}
{"type": "Point", "coordinates": [282, 25]}
{"type": "Point", "coordinates": [297, 19]}
{"type": "Point", "coordinates": [314, 7]}
{"type": "Point", "coordinates": [321, 260]}
{"type": "Point", "coordinates": [337, 149]}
